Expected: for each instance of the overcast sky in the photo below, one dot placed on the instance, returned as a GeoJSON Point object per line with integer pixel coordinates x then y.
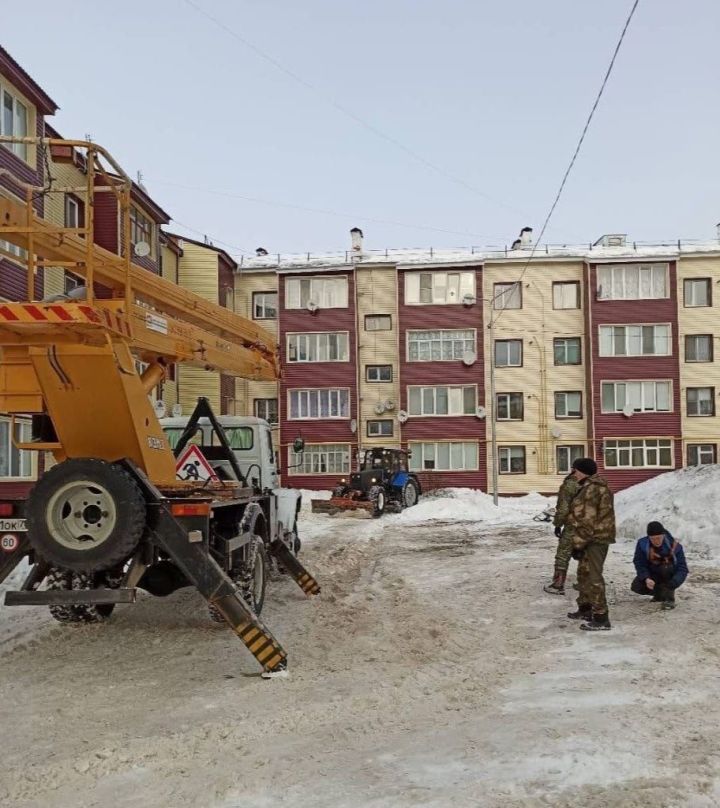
{"type": "Point", "coordinates": [493, 94]}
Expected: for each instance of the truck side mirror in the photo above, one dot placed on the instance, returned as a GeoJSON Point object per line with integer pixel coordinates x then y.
{"type": "Point", "coordinates": [298, 445]}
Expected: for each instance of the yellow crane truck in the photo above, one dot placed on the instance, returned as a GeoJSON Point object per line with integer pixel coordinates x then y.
{"type": "Point", "coordinates": [111, 515]}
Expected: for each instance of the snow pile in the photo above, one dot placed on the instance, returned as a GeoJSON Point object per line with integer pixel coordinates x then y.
{"type": "Point", "coordinates": [686, 501]}
{"type": "Point", "coordinates": [470, 505]}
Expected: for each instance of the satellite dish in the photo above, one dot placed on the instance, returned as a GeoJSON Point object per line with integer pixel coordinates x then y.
{"type": "Point", "coordinates": [469, 358]}
{"type": "Point", "coordinates": [312, 306]}
{"type": "Point", "coordinates": [379, 408]}
{"type": "Point", "coordinates": [159, 407]}
{"type": "Point", "coordinates": [402, 416]}
{"type": "Point", "coordinates": [389, 404]}
{"type": "Point", "coordinates": [353, 426]}
{"type": "Point", "coordinates": [480, 412]}
{"type": "Point", "coordinates": [176, 410]}
{"type": "Point", "coordinates": [628, 411]}
{"type": "Point", "coordinates": [556, 432]}
{"type": "Point", "coordinates": [141, 249]}
{"type": "Point", "coordinates": [468, 299]}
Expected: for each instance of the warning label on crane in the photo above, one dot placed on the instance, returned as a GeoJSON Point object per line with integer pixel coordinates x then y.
{"type": "Point", "coordinates": [192, 466]}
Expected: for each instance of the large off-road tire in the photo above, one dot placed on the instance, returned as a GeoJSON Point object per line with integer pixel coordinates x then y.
{"type": "Point", "coordinates": [377, 496]}
{"type": "Point", "coordinates": [410, 494]}
{"type": "Point", "coordinates": [85, 515]}
{"type": "Point", "coordinates": [250, 578]}
{"type": "Point", "coordinates": [89, 613]}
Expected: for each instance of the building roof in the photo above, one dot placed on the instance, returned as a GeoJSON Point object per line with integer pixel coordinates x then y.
{"type": "Point", "coordinates": [232, 263]}
{"type": "Point", "coordinates": [26, 84]}
{"type": "Point", "coordinates": [474, 256]}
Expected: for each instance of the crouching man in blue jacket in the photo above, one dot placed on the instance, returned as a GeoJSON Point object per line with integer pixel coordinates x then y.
{"type": "Point", "coordinates": [660, 566]}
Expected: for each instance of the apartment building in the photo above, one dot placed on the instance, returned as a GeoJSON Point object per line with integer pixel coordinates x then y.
{"type": "Point", "coordinates": [604, 350]}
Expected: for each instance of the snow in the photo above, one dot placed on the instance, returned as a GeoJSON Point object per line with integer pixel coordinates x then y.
{"type": "Point", "coordinates": [432, 671]}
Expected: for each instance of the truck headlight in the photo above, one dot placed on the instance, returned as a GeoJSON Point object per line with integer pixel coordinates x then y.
{"type": "Point", "coordinates": [373, 480]}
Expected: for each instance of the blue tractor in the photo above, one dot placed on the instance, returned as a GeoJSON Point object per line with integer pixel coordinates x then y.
{"type": "Point", "coordinates": [383, 483]}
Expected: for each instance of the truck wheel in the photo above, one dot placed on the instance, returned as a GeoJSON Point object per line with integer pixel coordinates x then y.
{"type": "Point", "coordinates": [377, 497]}
{"type": "Point", "coordinates": [85, 515]}
{"type": "Point", "coordinates": [250, 578]}
{"type": "Point", "coordinates": [65, 580]}
{"type": "Point", "coordinates": [409, 494]}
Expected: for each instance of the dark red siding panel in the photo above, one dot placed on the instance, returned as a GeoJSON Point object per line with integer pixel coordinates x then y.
{"type": "Point", "coordinates": [467, 428]}
{"type": "Point", "coordinates": [639, 425]}
{"type": "Point", "coordinates": [106, 221]}
{"type": "Point", "coordinates": [317, 375]}
{"type": "Point", "coordinates": [227, 394]}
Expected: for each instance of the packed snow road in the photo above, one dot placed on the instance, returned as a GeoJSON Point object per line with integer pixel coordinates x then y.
{"type": "Point", "coordinates": [433, 671]}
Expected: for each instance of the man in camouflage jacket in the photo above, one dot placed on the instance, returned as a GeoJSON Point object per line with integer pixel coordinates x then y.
{"type": "Point", "coordinates": [592, 519]}
{"type": "Point", "coordinates": [563, 531]}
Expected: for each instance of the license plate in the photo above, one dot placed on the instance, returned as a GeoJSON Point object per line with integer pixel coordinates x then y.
{"type": "Point", "coordinates": [13, 525]}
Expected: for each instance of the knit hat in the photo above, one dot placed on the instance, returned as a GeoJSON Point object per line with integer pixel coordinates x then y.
{"type": "Point", "coordinates": [655, 529]}
{"type": "Point", "coordinates": [586, 465]}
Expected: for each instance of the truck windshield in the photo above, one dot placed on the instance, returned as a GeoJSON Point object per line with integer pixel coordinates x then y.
{"type": "Point", "coordinates": [174, 433]}
{"type": "Point", "coordinates": [239, 437]}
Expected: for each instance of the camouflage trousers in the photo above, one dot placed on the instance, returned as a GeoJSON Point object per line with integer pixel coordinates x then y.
{"type": "Point", "coordinates": [563, 553]}
{"type": "Point", "coordinates": [590, 578]}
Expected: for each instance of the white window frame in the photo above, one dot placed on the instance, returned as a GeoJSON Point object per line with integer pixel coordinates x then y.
{"type": "Point", "coordinates": [507, 294]}
{"type": "Point", "coordinates": [422, 451]}
{"type": "Point", "coordinates": [702, 450]}
{"type": "Point", "coordinates": [336, 397]}
{"type": "Point", "coordinates": [326, 291]}
{"type": "Point", "coordinates": [618, 284]}
{"type": "Point", "coordinates": [693, 282]}
{"type": "Point", "coordinates": [20, 150]}
{"type": "Point", "coordinates": [377, 318]}
{"type": "Point", "coordinates": [374, 429]}
{"type": "Point", "coordinates": [505, 458]}
{"type": "Point", "coordinates": [451, 394]}
{"type": "Point", "coordinates": [647, 446]}
{"type": "Point", "coordinates": [506, 342]}
{"type": "Point", "coordinates": [433, 288]}
{"type": "Point", "coordinates": [263, 305]}
{"type": "Point", "coordinates": [508, 404]}
{"type": "Point", "coordinates": [334, 456]}
{"type": "Point", "coordinates": [562, 287]}
{"type": "Point", "coordinates": [142, 228]}
{"type": "Point", "coordinates": [567, 393]}
{"type": "Point", "coordinates": [368, 368]}
{"type": "Point", "coordinates": [317, 343]}
{"type": "Point", "coordinates": [425, 343]}
{"type": "Point", "coordinates": [22, 433]}
{"type": "Point", "coordinates": [263, 410]}
{"type": "Point", "coordinates": [696, 337]}
{"type": "Point", "coordinates": [641, 398]}
{"type": "Point", "coordinates": [629, 338]}
{"type": "Point", "coordinates": [566, 449]}
{"type": "Point", "coordinates": [72, 211]}
{"type": "Point", "coordinates": [711, 399]}
{"type": "Point", "coordinates": [565, 340]}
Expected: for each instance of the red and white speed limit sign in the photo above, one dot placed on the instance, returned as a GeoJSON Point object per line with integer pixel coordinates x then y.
{"type": "Point", "coordinates": [9, 542]}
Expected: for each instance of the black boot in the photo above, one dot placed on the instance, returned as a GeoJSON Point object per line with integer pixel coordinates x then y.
{"type": "Point", "coordinates": [598, 622]}
{"type": "Point", "coordinates": [583, 613]}
{"type": "Point", "coordinates": [557, 585]}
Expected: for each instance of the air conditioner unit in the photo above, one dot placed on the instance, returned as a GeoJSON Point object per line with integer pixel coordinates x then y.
{"type": "Point", "coordinates": [469, 358]}
{"type": "Point", "coordinates": [628, 411]}
{"type": "Point", "coordinates": [389, 404]}
{"type": "Point", "coordinates": [402, 416]}
{"type": "Point", "coordinates": [176, 410]}
{"type": "Point", "coordinates": [480, 412]}
{"type": "Point", "coordinates": [379, 408]}
{"type": "Point", "coordinates": [159, 407]}
{"type": "Point", "coordinates": [353, 426]}
{"type": "Point", "coordinates": [312, 306]}
{"type": "Point", "coordinates": [469, 299]}
{"type": "Point", "coordinates": [556, 432]}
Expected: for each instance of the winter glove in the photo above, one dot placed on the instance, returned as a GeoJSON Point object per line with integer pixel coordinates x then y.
{"type": "Point", "coordinates": [558, 531]}
{"type": "Point", "coordinates": [577, 553]}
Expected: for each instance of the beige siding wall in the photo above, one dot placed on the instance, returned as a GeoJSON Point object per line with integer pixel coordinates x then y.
{"type": "Point", "coordinates": [699, 320]}
{"type": "Point", "coordinates": [65, 175]}
{"type": "Point", "coordinates": [196, 382]}
{"type": "Point", "coordinates": [377, 294]}
{"type": "Point", "coordinates": [537, 324]}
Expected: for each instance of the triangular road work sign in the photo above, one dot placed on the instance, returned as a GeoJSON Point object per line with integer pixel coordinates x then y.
{"type": "Point", "coordinates": [192, 466]}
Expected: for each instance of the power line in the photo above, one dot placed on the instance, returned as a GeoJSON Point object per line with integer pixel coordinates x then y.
{"type": "Point", "coordinates": [348, 112]}
{"type": "Point", "coordinates": [212, 238]}
{"type": "Point", "coordinates": [322, 211]}
{"type": "Point", "coordinates": [609, 70]}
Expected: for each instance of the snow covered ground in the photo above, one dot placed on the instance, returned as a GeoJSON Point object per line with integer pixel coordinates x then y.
{"type": "Point", "coordinates": [432, 671]}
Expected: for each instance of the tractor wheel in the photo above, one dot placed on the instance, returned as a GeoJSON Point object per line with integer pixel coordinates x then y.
{"type": "Point", "coordinates": [250, 578]}
{"type": "Point", "coordinates": [89, 613]}
{"type": "Point", "coordinates": [85, 515]}
{"type": "Point", "coordinates": [409, 494]}
{"type": "Point", "coordinates": [378, 499]}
